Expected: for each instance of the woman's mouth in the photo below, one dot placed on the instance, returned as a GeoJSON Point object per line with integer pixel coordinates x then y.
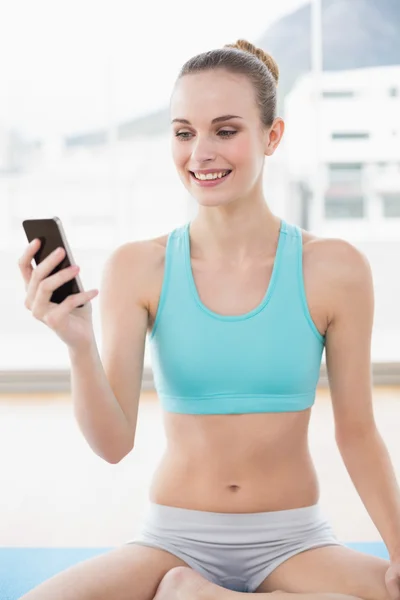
{"type": "Point", "coordinates": [211, 179]}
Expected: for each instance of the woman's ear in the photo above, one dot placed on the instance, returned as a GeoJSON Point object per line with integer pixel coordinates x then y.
{"type": "Point", "coordinates": [274, 136]}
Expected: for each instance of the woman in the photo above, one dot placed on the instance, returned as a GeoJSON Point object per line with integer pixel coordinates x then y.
{"type": "Point", "coordinates": [239, 305]}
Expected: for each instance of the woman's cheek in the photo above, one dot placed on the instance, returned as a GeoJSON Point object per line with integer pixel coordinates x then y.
{"type": "Point", "coordinates": [178, 150]}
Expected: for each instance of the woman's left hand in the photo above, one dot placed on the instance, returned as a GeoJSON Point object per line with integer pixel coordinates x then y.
{"type": "Point", "coordinates": [392, 580]}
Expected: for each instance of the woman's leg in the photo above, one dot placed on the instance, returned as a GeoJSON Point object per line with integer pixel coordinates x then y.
{"type": "Point", "coordinates": [131, 572]}
{"type": "Point", "coordinates": [183, 583]}
{"type": "Point", "coordinates": [331, 568]}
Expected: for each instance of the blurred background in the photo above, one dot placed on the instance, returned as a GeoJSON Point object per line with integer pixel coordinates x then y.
{"type": "Point", "coordinates": [85, 136]}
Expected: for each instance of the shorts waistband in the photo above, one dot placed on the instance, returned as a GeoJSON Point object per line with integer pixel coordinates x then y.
{"type": "Point", "coordinates": [163, 514]}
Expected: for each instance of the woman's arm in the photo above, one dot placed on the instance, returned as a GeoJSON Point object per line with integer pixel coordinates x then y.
{"type": "Point", "coordinates": [348, 359]}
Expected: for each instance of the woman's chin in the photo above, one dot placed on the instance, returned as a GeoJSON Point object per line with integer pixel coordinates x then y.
{"type": "Point", "coordinates": [212, 201]}
{"type": "Point", "coordinates": [210, 197]}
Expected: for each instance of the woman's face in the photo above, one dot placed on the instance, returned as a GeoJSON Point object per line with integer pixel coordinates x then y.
{"type": "Point", "coordinates": [237, 144]}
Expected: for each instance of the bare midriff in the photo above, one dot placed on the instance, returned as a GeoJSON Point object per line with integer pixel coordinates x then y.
{"type": "Point", "coordinates": [244, 463]}
{"type": "Point", "coordinates": [236, 463]}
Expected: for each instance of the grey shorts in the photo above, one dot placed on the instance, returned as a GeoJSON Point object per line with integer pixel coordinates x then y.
{"type": "Point", "coordinates": [235, 550]}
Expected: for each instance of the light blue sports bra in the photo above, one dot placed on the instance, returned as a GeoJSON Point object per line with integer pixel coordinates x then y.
{"type": "Point", "coordinates": [267, 360]}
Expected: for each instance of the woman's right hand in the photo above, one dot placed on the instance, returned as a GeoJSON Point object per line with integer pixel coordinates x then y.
{"type": "Point", "coordinates": [72, 324]}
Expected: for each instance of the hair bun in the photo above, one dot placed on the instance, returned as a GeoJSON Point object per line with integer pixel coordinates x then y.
{"type": "Point", "coordinates": [266, 58]}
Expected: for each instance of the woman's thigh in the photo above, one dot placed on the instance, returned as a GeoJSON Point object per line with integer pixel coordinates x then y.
{"type": "Point", "coordinates": [130, 572]}
{"type": "Point", "coordinates": [335, 569]}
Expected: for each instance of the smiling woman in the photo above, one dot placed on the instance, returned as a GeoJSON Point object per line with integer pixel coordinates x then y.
{"type": "Point", "coordinates": [240, 305]}
{"type": "Point", "coordinates": [239, 138]}
{"type": "Point", "coordinates": [204, 177]}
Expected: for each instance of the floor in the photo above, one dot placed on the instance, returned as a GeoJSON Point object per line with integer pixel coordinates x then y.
{"type": "Point", "coordinates": [54, 491]}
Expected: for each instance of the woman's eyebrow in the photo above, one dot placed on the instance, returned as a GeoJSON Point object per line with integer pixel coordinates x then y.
{"type": "Point", "coordinates": [216, 120]}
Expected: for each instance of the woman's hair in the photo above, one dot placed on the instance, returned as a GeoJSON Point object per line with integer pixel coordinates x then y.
{"type": "Point", "coordinates": [244, 58]}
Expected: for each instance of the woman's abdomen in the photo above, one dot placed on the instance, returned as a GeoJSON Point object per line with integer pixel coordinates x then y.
{"type": "Point", "coordinates": [257, 463]}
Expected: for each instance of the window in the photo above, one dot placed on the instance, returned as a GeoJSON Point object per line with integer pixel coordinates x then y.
{"type": "Point", "coordinates": [391, 205]}
{"type": "Point", "coordinates": [350, 135]}
{"type": "Point", "coordinates": [344, 198]}
{"type": "Point", "coordinates": [95, 138]}
{"type": "Point", "coordinates": [344, 207]}
{"type": "Point", "coordinates": [345, 173]}
{"type": "Point", "coordinates": [338, 94]}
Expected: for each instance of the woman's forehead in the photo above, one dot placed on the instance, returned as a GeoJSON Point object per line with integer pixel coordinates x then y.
{"type": "Point", "coordinates": [212, 93]}
{"type": "Point", "coordinates": [220, 80]}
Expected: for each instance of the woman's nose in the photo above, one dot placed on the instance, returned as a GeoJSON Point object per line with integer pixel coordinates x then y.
{"type": "Point", "coordinates": [202, 150]}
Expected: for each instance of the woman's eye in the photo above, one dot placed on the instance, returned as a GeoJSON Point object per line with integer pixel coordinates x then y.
{"type": "Point", "coordinates": [225, 133]}
{"type": "Point", "coordinates": [228, 132]}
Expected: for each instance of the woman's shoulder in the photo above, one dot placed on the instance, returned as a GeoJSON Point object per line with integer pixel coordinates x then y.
{"type": "Point", "coordinates": [334, 267]}
{"type": "Point", "coordinates": [147, 256]}
{"type": "Point", "coordinates": [332, 253]}
{"type": "Point", "coordinates": [150, 253]}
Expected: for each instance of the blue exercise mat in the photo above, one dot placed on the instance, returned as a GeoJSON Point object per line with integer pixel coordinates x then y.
{"type": "Point", "coordinates": [22, 569]}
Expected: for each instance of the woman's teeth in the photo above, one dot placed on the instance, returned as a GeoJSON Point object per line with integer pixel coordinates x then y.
{"type": "Point", "coordinates": [204, 177]}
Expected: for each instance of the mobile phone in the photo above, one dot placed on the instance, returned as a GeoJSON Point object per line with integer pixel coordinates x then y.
{"type": "Point", "coordinates": [51, 234]}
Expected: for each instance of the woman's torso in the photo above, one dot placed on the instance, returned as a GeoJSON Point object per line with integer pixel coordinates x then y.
{"type": "Point", "coordinates": [237, 462]}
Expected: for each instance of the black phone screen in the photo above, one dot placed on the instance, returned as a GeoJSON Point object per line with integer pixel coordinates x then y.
{"type": "Point", "coordinates": [51, 234]}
